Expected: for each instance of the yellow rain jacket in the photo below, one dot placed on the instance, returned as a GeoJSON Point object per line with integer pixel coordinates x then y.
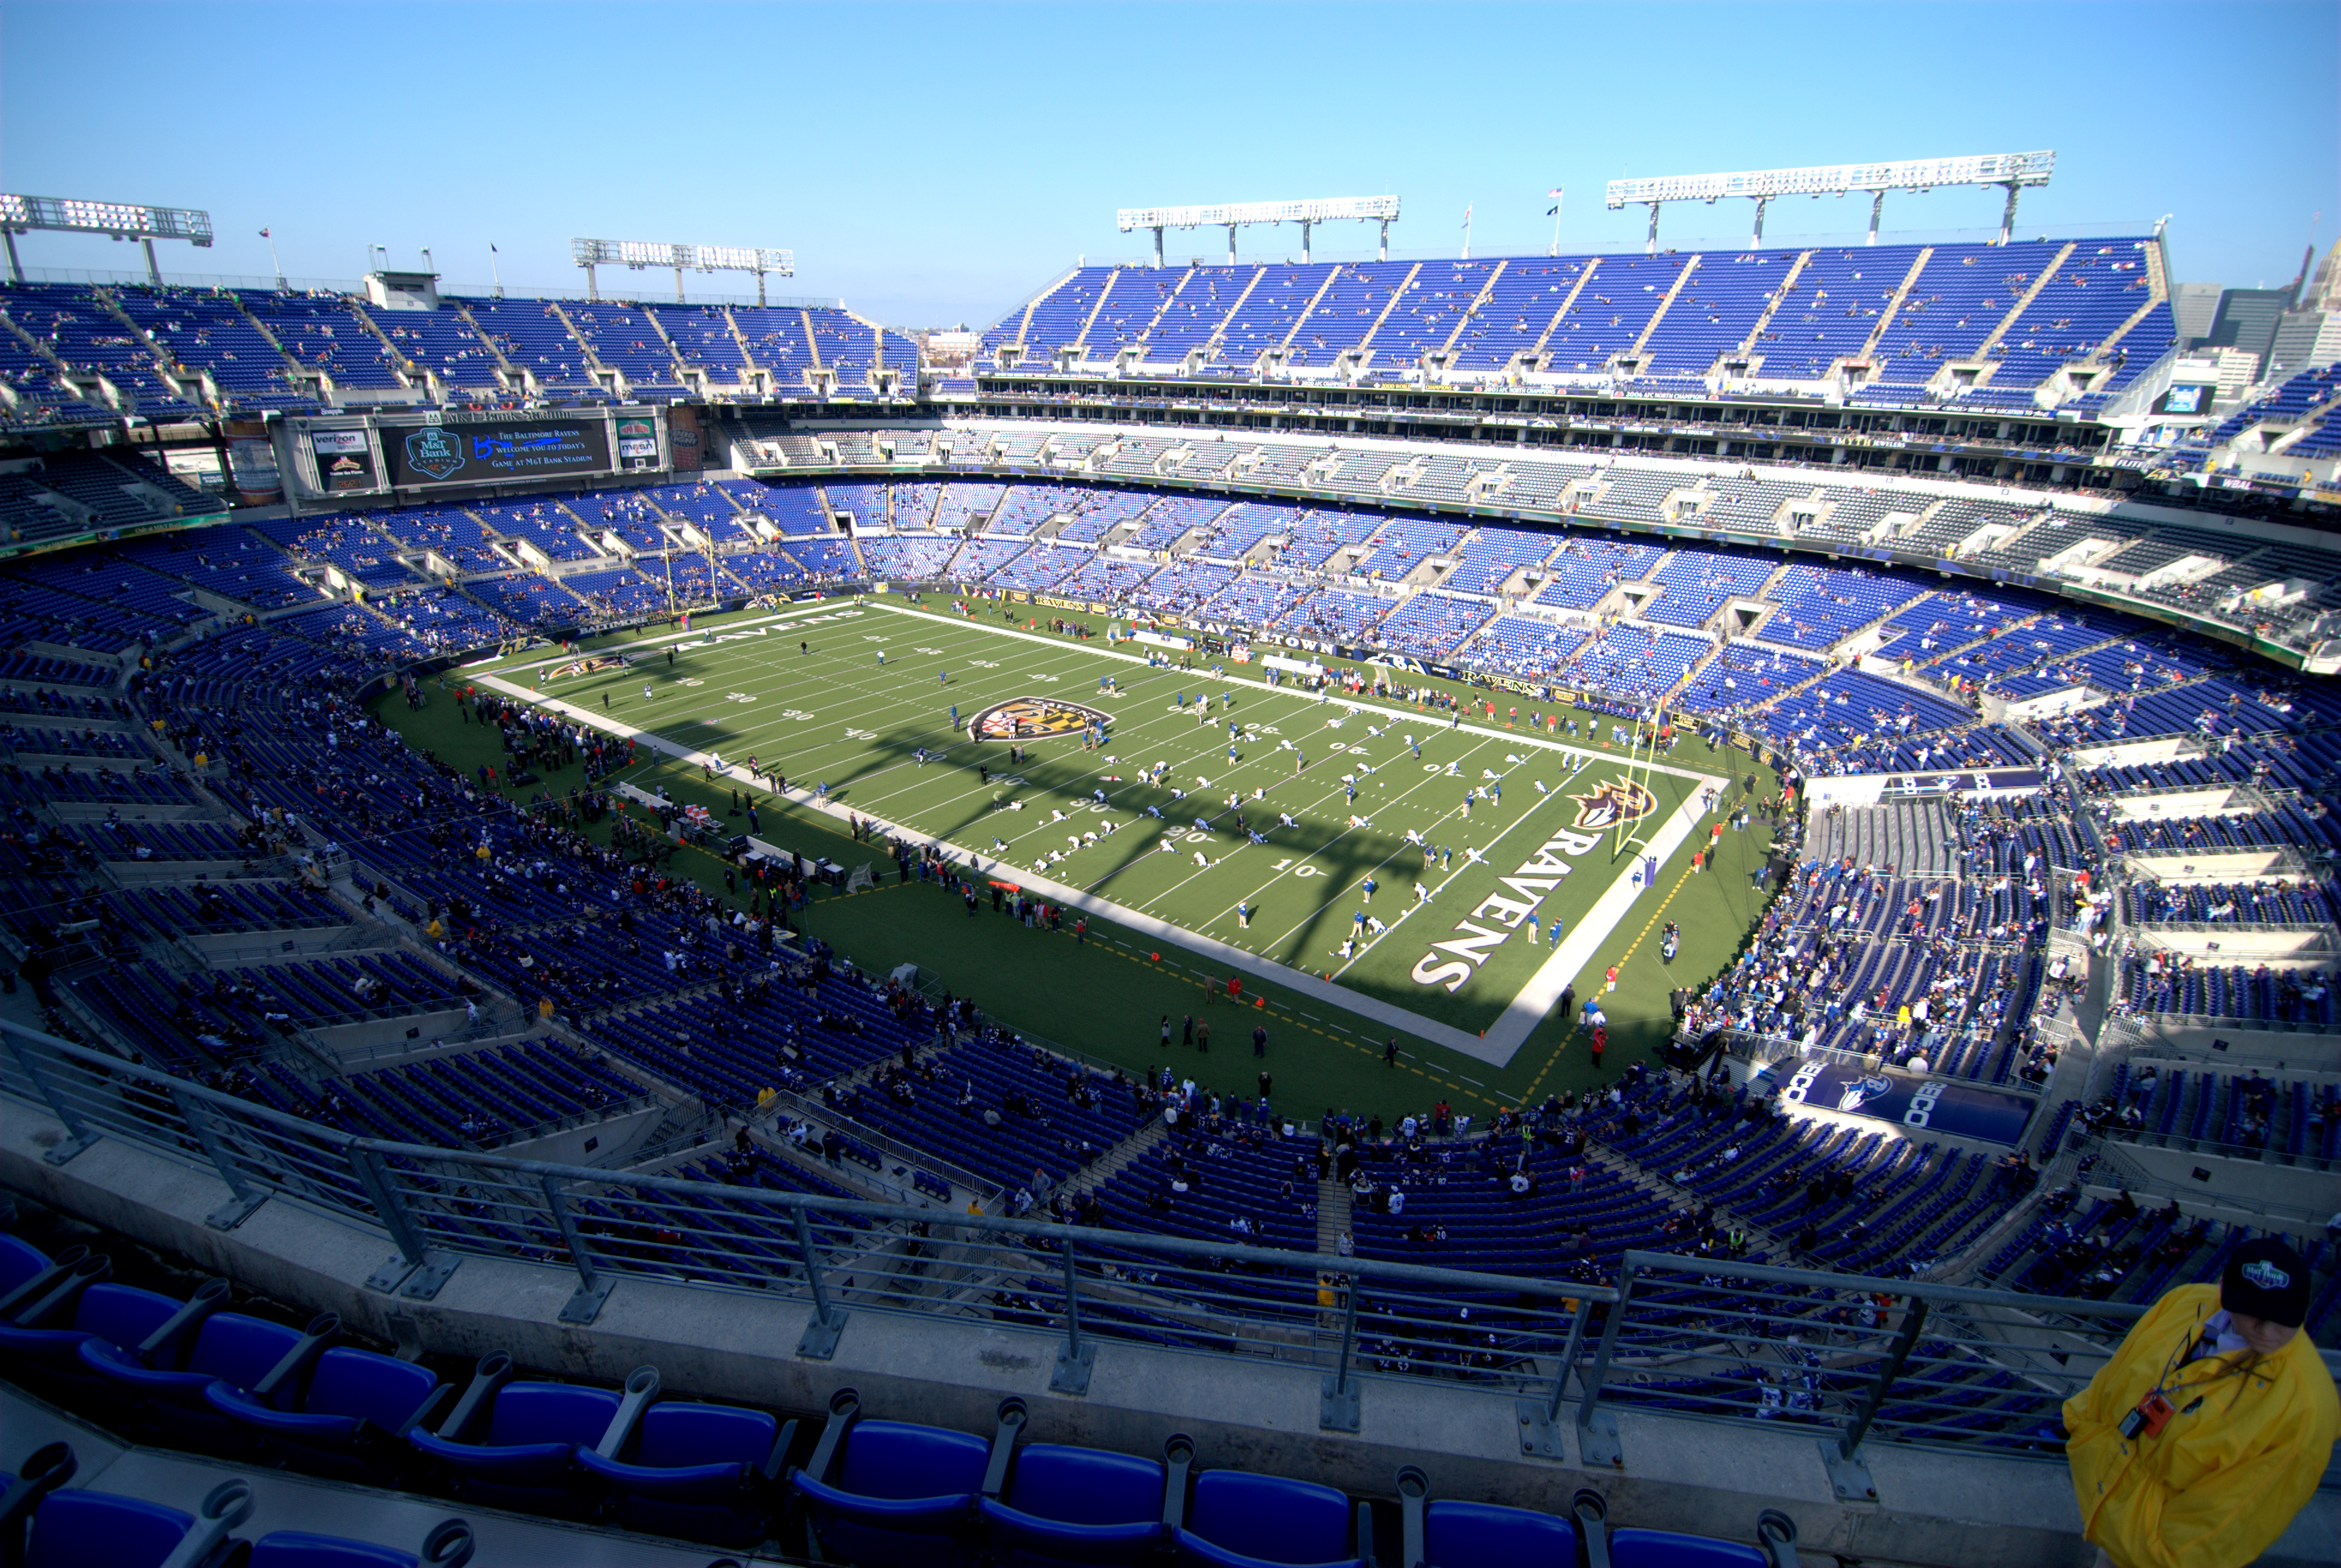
{"type": "Point", "coordinates": [2241, 1455]}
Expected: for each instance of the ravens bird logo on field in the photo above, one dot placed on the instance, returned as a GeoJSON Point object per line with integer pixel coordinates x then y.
{"type": "Point", "coordinates": [1027, 717]}
{"type": "Point", "coordinates": [1612, 803]}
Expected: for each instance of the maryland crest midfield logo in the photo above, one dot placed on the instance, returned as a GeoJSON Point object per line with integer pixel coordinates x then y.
{"type": "Point", "coordinates": [1030, 718]}
{"type": "Point", "coordinates": [1611, 804]}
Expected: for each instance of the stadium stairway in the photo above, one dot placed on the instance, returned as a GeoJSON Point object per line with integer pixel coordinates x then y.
{"type": "Point", "coordinates": [1771, 306]}
{"type": "Point", "coordinates": [1333, 1203]}
{"type": "Point", "coordinates": [1123, 1155]}
{"type": "Point", "coordinates": [1894, 306]}
{"type": "Point", "coordinates": [1682, 279]}
{"type": "Point", "coordinates": [2015, 312]}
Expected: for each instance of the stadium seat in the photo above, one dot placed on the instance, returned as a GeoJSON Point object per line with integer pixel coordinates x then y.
{"type": "Point", "coordinates": [20, 1260]}
{"type": "Point", "coordinates": [35, 1288]}
{"type": "Point", "coordinates": [525, 1455]}
{"type": "Point", "coordinates": [1240, 1520]}
{"type": "Point", "coordinates": [904, 1496]}
{"type": "Point", "coordinates": [45, 1469]}
{"type": "Point", "coordinates": [1076, 1506]}
{"type": "Point", "coordinates": [266, 1360]}
{"type": "Point", "coordinates": [448, 1546]}
{"type": "Point", "coordinates": [72, 1529]}
{"type": "Point", "coordinates": [702, 1472]}
{"type": "Point", "coordinates": [48, 1361]}
{"type": "Point", "coordinates": [1455, 1534]}
{"type": "Point", "coordinates": [358, 1407]}
{"type": "Point", "coordinates": [1667, 1549]}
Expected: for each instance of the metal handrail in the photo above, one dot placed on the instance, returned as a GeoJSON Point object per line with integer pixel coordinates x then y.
{"type": "Point", "coordinates": [1850, 1358]}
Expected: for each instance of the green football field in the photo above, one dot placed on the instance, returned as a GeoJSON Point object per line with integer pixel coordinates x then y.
{"type": "Point", "coordinates": [1478, 838]}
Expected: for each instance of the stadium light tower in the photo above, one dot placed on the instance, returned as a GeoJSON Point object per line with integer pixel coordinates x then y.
{"type": "Point", "coordinates": [2011, 170]}
{"type": "Point", "coordinates": [640, 253]}
{"type": "Point", "coordinates": [117, 220]}
{"type": "Point", "coordinates": [1231, 215]}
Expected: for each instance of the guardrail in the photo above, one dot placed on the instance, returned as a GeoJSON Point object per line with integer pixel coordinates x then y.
{"type": "Point", "coordinates": [1850, 1360]}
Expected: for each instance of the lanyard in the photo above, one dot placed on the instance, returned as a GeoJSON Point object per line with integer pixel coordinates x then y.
{"type": "Point", "coordinates": [2179, 1361]}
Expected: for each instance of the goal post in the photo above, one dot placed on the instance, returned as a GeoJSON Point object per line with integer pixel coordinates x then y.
{"type": "Point", "coordinates": [1633, 833]}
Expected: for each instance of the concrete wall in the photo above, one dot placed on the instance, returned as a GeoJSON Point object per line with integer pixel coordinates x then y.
{"type": "Point", "coordinates": [2228, 945]}
{"type": "Point", "coordinates": [2212, 866]}
{"type": "Point", "coordinates": [1930, 1509]}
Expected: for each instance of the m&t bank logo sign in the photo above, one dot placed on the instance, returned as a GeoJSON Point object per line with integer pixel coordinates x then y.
{"type": "Point", "coordinates": [432, 452]}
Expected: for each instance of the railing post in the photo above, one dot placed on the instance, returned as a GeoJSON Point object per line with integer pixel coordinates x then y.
{"type": "Point", "coordinates": [819, 1341]}
{"type": "Point", "coordinates": [592, 1289]}
{"type": "Point", "coordinates": [1847, 1474]}
{"type": "Point", "coordinates": [80, 1135]}
{"type": "Point", "coordinates": [1076, 1356]}
{"type": "Point", "coordinates": [245, 1198]}
{"type": "Point", "coordinates": [422, 1269]}
{"type": "Point", "coordinates": [1337, 1406]}
{"type": "Point", "coordinates": [1597, 1429]}
{"type": "Point", "coordinates": [1541, 1418]}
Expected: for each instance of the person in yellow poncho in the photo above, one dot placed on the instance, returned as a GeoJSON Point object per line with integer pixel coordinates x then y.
{"type": "Point", "coordinates": [2210, 1428]}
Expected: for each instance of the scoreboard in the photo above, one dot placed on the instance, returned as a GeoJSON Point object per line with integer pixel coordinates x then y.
{"type": "Point", "coordinates": [423, 451]}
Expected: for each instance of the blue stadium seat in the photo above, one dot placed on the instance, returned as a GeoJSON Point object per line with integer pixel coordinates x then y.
{"type": "Point", "coordinates": [515, 1444]}
{"type": "Point", "coordinates": [1075, 1505]}
{"type": "Point", "coordinates": [267, 1360]}
{"type": "Point", "coordinates": [702, 1472]}
{"type": "Point", "coordinates": [20, 1260]}
{"type": "Point", "coordinates": [903, 1497]}
{"type": "Point", "coordinates": [1776, 1533]}
{"type": "Point", "coordinates": [357, 1403]}
{"type": "Point", "coordinates": [35, 1288]}
{"type": "Point", "coordinates": [448, 1546]}
{"type": "Point", "coordinates": [77, 1529]}
{"type": "Point", "coordinates": [1668, 1549]}
{"type": "Point", "coordinates": [1240, 1520]}
{"type": "Point", "coordinates": [45, 1469]}
{"type": "Point", "coordinates": [48, 1360]}
{"type": "Point", "coordinates": [1453, 1534]}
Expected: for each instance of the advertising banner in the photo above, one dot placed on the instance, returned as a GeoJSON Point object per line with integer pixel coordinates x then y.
{"type": "Point", "coordinates": [686, 445]}
{"type": "Point", "coordinates": [345, 460]}
{"type": "Point", "coordinates": [251, 464]}
{"type": "Point", "coordinates": [638, 444]}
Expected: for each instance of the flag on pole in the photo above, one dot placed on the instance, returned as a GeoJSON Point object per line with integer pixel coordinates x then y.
{"type": "Point", "coordinates": [264, 233]}
{"type": "Point", "coordinates": [1467, 214]}
{"type": "Point", "coordinates": [1553, 211]}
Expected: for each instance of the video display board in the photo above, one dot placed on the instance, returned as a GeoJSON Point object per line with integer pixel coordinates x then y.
{"type": "Point", "coordinates": [489, 453]}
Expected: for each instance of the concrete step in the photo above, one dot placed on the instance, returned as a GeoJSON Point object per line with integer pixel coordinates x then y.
{"type": "Point", "coordinates": [1333, 1207]}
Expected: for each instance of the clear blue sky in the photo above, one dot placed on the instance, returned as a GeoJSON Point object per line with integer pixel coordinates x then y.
{"type": "Point", "coordinates": [935, 163]}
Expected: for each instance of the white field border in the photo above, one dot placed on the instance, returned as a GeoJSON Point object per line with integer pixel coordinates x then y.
{"type": "Point", "coordinates": [1496, 1048]}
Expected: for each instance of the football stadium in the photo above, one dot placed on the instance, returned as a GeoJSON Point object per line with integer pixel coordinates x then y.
{"type": "Point", "coordinates": [1669, 902]}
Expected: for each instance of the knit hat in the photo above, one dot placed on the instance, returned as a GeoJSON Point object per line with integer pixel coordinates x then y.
{"type": "Point", "coordinates": [2265, 1278]}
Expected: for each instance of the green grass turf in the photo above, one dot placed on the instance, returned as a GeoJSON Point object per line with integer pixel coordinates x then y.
{"type": "Point", "coordinates": [834, 714]}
